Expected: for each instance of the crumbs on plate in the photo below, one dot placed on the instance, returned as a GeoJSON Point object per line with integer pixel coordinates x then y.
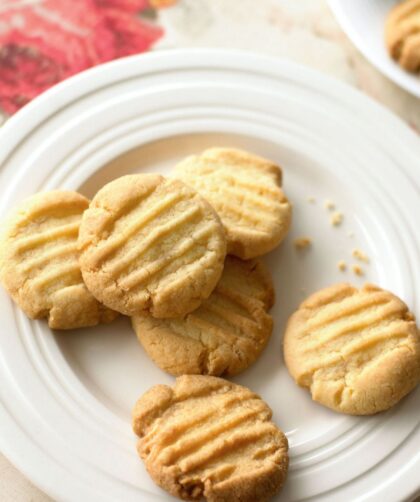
{"type": "Point", "coordinates": [342, 266]}
{"type": "Point", "coordinates": [302, 242]}
{"type": "Point", "coordinates": [358, 270]}
{"type": "Point", "coordinates": [360, 255]}
{"type": "Point", "coordinates": [329, 204]}
{"type": "Point", "coordinates": [336, 218]}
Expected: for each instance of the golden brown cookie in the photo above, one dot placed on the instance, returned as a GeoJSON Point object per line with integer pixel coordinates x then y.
{"type": "Point", "coordinates": [402, 34]}
{"type": "Point", "coordinates": [356, 350]}
{"type": "Point", "coordinates": [207, 437]}
{"type": "Point", "coordinates": [151, 245]}
{"type": "Point", "coordinates": [245, 191]}
{"type": "Point", "coordinates": [39, 261]}
{"type": "Point", "coordinates": [224, 335]}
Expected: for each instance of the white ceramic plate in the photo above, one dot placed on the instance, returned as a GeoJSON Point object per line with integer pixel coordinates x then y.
{"type": "Point", "coordinates": [66, 397]}
{"type": "Point", "coordinates": [364, 22]}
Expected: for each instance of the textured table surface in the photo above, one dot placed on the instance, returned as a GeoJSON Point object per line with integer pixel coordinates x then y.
{"type": "Point", "coordinates": [303, 31]}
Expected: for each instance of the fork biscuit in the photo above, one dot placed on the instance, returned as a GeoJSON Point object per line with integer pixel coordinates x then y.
{"type": "Point", "coordinates": [151, 246]}
{"type": "Point", "coordinates": [245, 191]}
{"type": "Point", "coordinates": [39, 261]}
{"type": "Point", "coordinates": [224, 335]}
{"type": "Point", "coordinates": [402, 34]}
{"type": "Point", "coordinates": [357, 350]}
{"type": "Point", "coordinates": [207, 437]}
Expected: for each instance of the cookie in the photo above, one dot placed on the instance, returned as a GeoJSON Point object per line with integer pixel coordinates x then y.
{"type": "Point", "coordinates": [151, 246]}
{"type": "Point", "coordinates": [402, 34]}
{"type": "Point", "coordinates": [224, 335]}
{"type": "Point", "coordinates": [245, 191]}
{"type": "Point", "coordinates": [207, 437]}
{"type": "Point", "coordinates": [39, 261]}
{"type": "Point", "coordinates": [356, 350]}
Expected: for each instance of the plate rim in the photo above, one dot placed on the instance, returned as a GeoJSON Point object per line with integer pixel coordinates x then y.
{"type": "Point", "coordinates": [54, 95]}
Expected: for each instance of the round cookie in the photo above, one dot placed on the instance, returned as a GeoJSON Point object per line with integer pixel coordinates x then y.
{"type": "Point", "coordinates": [245, 191]}
{"type": "Point", "coordinates": [224, 335]}
{"type": "Point", "coordinates": [151, 246]}
{"type": "Point", "coordinates": [207, 437]}
{"type": "Point", "coordinates": [39, 261]}
{"type": "Point", "coordinates": [356, 350]}
{"type": "Point", "coordinates": [402, 34]}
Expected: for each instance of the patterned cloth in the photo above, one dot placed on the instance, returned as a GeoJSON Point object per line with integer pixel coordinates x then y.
{"type": "Point", "coordinates": [45, 41]}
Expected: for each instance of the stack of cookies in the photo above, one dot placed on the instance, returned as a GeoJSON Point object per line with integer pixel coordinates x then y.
{"type": "Point", "coordinates": [156, 249]}
{"type": "Point", "coordinates": [179, 255]}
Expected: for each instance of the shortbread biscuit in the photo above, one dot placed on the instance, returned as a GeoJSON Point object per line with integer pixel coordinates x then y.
{"type": "Point", "coordinates": [245, 191]}
{"type": "Point", "coordinates": [151, 246]}
{"type": "Point", "coordinates": [402, 34]}
{"type": "Point", "coordinates": [357, 350]}
{"type": "Point", "coordinates": [39, 261]}
{"type": "Point", "coordinates": [224, 335]}
{"type": "Point", "coordinates": [207, 437]}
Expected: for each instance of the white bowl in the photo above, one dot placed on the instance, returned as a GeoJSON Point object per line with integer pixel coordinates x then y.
{"type": "Point", "coordinates": [364, 23]}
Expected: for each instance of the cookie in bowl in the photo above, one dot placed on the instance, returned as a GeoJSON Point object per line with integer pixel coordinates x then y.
{"type": "Point", "coordinates": [402, 34]}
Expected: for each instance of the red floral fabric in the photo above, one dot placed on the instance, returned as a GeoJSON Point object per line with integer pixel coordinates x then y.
{"type": "Point", "coordinates": [46, 41]}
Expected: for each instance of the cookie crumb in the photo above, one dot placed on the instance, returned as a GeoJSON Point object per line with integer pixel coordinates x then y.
{"type": "Point", "coordinates": [302, 242]}
{"type": "Point", "coordinates": [329, 204]}
{"type": "Point", "coordinates": [358, 270]}
{"type": "Point", "coordinates": [350, 234]}
{"type": "Point", "coordinates": [336, 218]}
{"type": "Point", "coordinates": [342, 266]}
{"type": "Point", "coordinates": [311, 200]}
{"type": "Point", "coordinates": [360, 255]}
